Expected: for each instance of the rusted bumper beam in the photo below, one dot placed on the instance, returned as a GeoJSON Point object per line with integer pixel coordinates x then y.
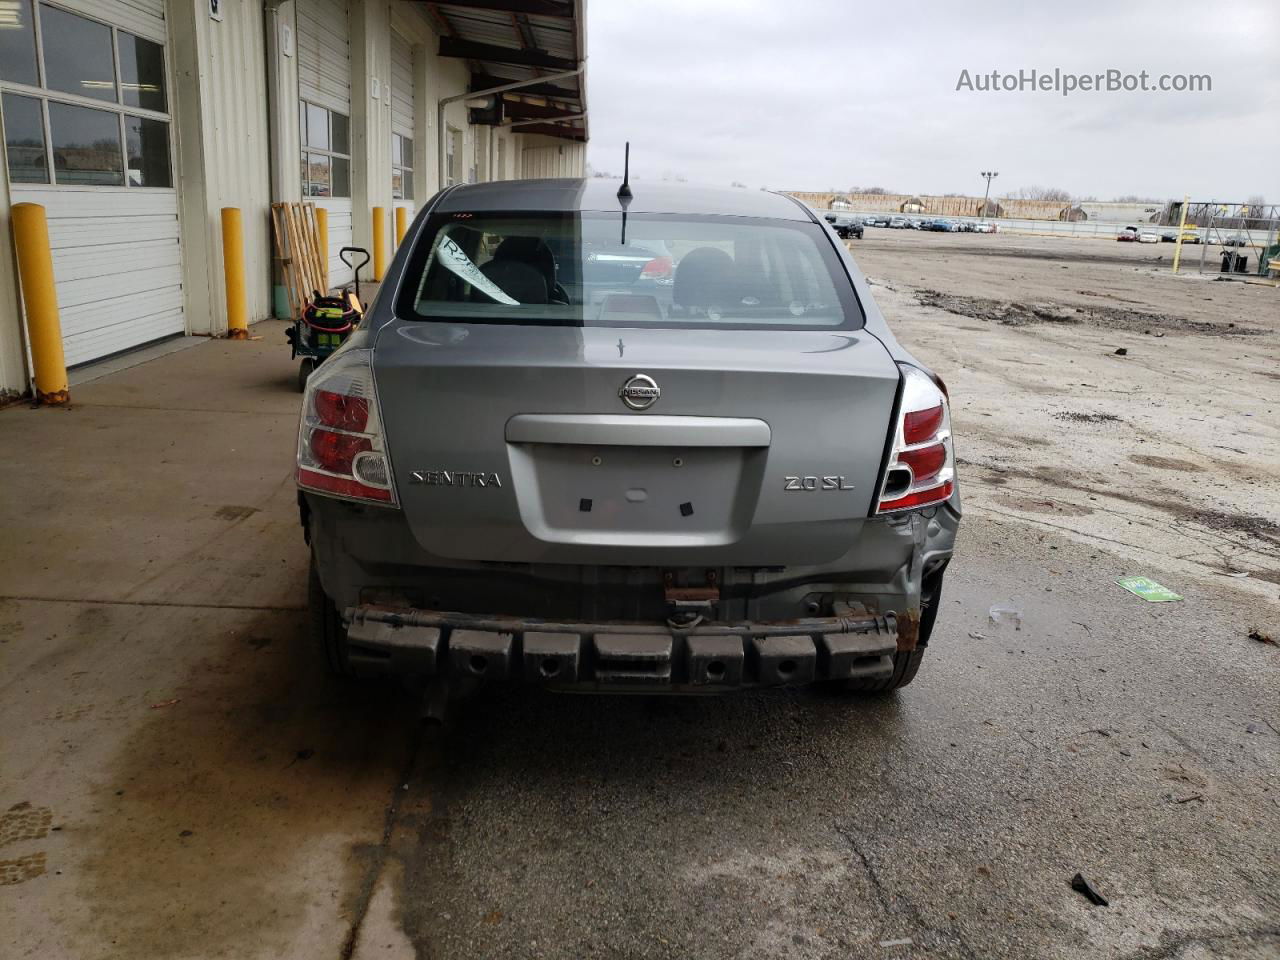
{"type": "Point", "coordinates": [706, 658]}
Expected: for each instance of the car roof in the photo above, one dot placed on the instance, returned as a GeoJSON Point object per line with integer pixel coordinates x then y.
{"type": "Point", "coordinates": [601, 194]}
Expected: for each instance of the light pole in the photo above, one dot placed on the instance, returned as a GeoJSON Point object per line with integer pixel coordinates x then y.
{"type": "Point", "coordinates": [990, 175]}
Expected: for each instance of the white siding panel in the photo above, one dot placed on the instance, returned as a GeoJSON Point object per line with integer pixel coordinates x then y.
{"type": "Point", "coordinates": [117, 266]}
{"type": "Point", "coordinates": [566, 159]}
{"type": "Point", "coordinates": [339, 237]}
{"type": "Point", "coordinates": [142, 17]}
{"type": "Point", "coordinates": [401, 86]}
{"type": "Point", "coordinates": [238, 174]}
{"type": "Point", "coordinates": [324, 54]}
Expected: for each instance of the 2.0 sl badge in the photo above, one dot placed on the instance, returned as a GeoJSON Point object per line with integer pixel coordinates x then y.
{"type": "Point", "coordinates": [816, 483]}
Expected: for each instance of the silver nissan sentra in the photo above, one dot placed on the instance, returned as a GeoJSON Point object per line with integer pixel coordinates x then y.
{"type": "Point", "coordinates": [653, 443]}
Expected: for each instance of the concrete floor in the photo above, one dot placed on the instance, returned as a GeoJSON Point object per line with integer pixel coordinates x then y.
{"type": "Point", "coordinates": [180, 780]}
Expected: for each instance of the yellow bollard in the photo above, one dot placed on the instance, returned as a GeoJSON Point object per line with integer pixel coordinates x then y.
{"type": "Point", "coordinates": [379, 243]}
{"type": "Point", "coordinates": [44, 330]}
{"type": "Point", "coordinates": [402, 224]}
{"type": "Point", "coordinates": [233, 272]}
{"type": "Point", "coordinates": [322, 234]}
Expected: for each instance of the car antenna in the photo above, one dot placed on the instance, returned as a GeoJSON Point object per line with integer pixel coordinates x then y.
{"type": "Point", "coordinates": [624, 191]}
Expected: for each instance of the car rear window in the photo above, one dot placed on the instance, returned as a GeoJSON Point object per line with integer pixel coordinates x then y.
{"type": "Point", "coordinates": [592, 269]}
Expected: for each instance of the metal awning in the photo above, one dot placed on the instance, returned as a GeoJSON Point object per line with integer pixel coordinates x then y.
{"type": "Point", "coordinates": [508, 42]}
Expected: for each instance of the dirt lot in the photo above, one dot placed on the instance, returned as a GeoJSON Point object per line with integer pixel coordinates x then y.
{"type": "Point", "coordinates": [178, 779]}
{"type": "Point", "coordinates": [1099, 394]}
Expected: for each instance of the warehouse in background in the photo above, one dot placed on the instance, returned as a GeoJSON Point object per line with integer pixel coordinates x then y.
{"type": "Point", "coordinates": [133, 122]}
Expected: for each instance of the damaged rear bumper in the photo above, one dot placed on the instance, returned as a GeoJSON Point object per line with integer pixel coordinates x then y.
{"type": "Point", "coordinates": [620, 657]}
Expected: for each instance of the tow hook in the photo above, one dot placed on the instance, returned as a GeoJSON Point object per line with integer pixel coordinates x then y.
{"type": "Point", "coordinates": [689, 606]}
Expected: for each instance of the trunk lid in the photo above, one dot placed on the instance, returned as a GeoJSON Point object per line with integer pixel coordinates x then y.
{"type": "Point", "coordinates": [515, 443]}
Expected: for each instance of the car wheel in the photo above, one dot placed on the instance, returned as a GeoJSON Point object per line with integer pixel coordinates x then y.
{"type": "Point", "coordinates": [906, 663]}
{"type": "Point", "coordinates": [305, 369]}
{"type": "Point", "coordinates": [325, 626]}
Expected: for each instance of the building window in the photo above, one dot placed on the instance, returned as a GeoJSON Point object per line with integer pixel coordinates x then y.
{"type": "Point", "coordinates": [326, 152]}
{"type": "Point", "coordinates": [77, 54]}
{"type": "Point", "coordinates": [24, 139]}
{"type": "Point", "coordinates": [147, 151]}
{"type": "Point", "coordinates": [18, 44]}
{"type": "Point", "coordinates": [453, 156]}
{"type": "Point", "coordinates": [86, 146]}
{"type": "Point", "coordinates": [90, 110]}
{"type": "Point", "coordinates": [141, 72]}
{"type": "Point", "coordinates": [401, 167]}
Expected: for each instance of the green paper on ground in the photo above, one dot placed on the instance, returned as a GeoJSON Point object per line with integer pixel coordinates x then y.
{"type": "Point", "coordinates": [1148, 589]}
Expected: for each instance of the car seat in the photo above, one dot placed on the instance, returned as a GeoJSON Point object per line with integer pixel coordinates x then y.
{"type": "Point", "coordinates": [706, 277]}
{"type": "Point", "coordinates": [525, 269]}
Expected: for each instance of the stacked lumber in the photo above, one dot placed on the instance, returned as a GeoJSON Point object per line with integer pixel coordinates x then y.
{"type": "Point", "coordinates": [303, 264]}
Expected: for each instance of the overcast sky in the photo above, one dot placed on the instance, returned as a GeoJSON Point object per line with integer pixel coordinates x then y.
{"type": "Point", "coordinates": [816, 94]}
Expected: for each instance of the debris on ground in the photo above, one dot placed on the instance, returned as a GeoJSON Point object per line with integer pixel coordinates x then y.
{"type": "Point", "coordinates": [1090, 892]}
{"type": "Point", "coordinates": [1148, 589]}
{"type": "Point", "coordinates": [1256, 634]}
{"type": "Point", "coordinates": [1121, 352]}
{"type": "Point", "coordinates": [1072, 417]}
{"type": "Point", "coordinates": [1252, 524]}
{"type": "Point", "coordinates": [1002, 613]}
{"type": "Point", "coordinates": [165, 703]}
{"type": "Point", "coordinates": [904, 942]}
{"type": "Point", "coordinates": [1014, 314]}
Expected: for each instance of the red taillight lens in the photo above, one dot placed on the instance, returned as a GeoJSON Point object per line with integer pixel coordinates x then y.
{"type": "Point", "coordinates": [324, 483]}
{"type": "Point", "coordinates": [921, 469]}
{"type": "Point", "coordinates": [919, 426]}
{"type": "Point", "coordinates": [925, 463]}
{"type": "Point", "coordinates": [658, 268]}
{"type": "Point", "coordinates": [921, 498]}
{"type": "Point", "coordinates": [336, 452]}
{"type": "Point", "coordinates": [341, 411]}
{"type": "Point", "coordinates": [340, 444]}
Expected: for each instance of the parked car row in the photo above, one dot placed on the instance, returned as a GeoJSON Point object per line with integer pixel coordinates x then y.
{"type": "Point", "coordinates": [1132, 234]}
{"type": "Point", "coordinates": [845, 225]}
{"type": "Point", "coordinates": [938, 225]}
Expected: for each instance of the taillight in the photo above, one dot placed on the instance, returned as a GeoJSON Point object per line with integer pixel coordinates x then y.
{"type": "Point", "coordinates": [922, 466]}
{"type": "Point", "coordinates": [659, 268]}
{"type": "Point", "coordinates": [340, 445]}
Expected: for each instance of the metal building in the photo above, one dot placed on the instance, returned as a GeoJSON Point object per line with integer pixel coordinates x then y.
{"type": "Point", "coordinates": [133, 122]}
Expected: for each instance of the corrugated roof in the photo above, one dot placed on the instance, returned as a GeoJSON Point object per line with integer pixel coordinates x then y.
{"type": "Point", "coordinates": [543, 37]}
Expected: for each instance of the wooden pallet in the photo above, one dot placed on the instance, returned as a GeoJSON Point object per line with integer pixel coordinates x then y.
{"type": "Point", "coordinates": [304, 265]}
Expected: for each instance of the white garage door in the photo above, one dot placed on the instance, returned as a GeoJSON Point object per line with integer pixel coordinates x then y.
{"type": "Point", "coordinates": [402, 128]}
{"type": "Point", "coordinates": [324, 87]}
{"type": "Point", "coordinates": [88, 124]}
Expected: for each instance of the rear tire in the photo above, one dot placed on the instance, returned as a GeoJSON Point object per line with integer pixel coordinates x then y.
{"type": "Point", "coordinates": [906, 663]}
{"type": "Point", "coordinates": [305, 369]}
{"type": "Point", "coordinates": [325, 626]}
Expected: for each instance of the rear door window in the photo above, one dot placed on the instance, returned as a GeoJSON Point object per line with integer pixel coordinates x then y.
{"type": "Point", "coordinates": [590, 269]}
